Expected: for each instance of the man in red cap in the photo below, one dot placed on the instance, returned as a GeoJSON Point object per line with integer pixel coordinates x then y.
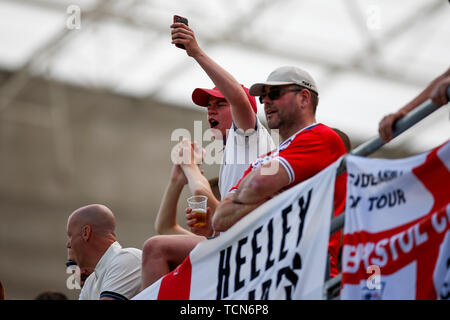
{"type": "Point", "coordinates": [232, 115]}
{"type": "Point", "coordinates": [231, 111]}
{"type": "Point", "coordinates": [245, 138]}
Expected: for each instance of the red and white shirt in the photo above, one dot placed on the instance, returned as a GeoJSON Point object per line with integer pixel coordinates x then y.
{"type": "Point", "coordinates": [303, 155]}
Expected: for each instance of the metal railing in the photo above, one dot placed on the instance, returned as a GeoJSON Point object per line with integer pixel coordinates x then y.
{"type": "Point", "coordinates": [332, 285]}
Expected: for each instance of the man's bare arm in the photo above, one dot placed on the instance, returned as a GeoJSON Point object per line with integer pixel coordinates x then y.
{"type": "Point", "coordinates": [199, 185]}
{"type": "Point", "coordinates": [197, 182]}
{"type": "Point", "coordinates": [254, 189]}
{"type": "Point", "coordinates": [166, 219]}
{"type": "Point", "coordinates": [385, 128]}
{"type": "Point", "coordinates": [229, 212]}
{"type": "Point", "coordinates": [241, 109]}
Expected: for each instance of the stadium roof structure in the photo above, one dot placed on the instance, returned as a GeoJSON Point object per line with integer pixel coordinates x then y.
{"type": "Point", "coordinates": [368, 57]}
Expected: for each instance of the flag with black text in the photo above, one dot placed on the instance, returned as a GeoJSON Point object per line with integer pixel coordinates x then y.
{"type": "Point", "coordinates": [278, 251]}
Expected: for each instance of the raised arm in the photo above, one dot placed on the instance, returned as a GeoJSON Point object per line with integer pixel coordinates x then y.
{"type": "Point", "coordinates": [166, 220]}
{"type": "Point", "coordinates": [385, 128]}
{"type": "Point", "coordinates": [192, 156]}
{"type": "Point", "coordinates": [241, 109]}
{"type": "Point", "coordinates": [253, 190]}
{"type": "Point", "coordinates": [199, 185]}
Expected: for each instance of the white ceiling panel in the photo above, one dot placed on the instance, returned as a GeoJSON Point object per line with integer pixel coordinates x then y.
{"type": "Point", "coordinates": [368, 57]}
{"type": "Point", "coordinates": [23, 29]}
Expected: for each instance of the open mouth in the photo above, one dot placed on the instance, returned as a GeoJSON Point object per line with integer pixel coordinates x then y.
{"type": "Point", "coordinates": [270, 112]}
{"type": "Point", "coordinates": [213, 123]}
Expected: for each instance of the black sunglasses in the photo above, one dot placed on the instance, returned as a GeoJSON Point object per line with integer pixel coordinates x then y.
{"type": "Point", "coordinates": [276, 93]}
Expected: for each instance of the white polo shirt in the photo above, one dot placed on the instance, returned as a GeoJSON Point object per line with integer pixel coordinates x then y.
{"type": "Point", "coordinates": [116, 275]}
{"type": "Point", "coordinates": [240, 151]}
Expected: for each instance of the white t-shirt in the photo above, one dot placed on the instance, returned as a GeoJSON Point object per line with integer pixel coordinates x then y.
{"type": "Point", "coordinates": [240, 151]}
{"type": "Point", "coordinates": [116, 275]}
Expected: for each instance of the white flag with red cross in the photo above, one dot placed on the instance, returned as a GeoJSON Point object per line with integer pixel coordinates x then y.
{"type": "Point", "coordinates": [397, 227]}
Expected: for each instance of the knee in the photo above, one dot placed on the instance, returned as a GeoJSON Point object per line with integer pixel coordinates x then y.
{"type": "Point", "coordinates": [153, 249]}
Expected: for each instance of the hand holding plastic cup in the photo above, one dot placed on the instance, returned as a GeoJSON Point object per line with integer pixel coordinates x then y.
{"type": "Point", "coordinates": [198, 205]}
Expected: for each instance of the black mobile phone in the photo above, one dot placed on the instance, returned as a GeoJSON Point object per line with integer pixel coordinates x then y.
{"type": "Point", "coordinates": [181, 19]}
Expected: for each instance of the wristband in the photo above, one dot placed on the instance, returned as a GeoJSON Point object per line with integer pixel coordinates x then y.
{"type": "Point", "coordinates": [212, 236]}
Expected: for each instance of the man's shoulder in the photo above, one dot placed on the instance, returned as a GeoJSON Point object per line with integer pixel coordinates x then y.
{"type": "Point", "coordinates": [122, 277]}
{"type": "Point", "coordinates": [126, 261]}
{"type": "Point", "coordinates": [329, 135]}
{"type": "Point", "coordinates": [317, 137]}
{"type": "Point", "coordinates": [319, 132]}
{"type": "Point", "coordinates": [127, 256]}
{"type": "Point", "coordinates": [319, 128]}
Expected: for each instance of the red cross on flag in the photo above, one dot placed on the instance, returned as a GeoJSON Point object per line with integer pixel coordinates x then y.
{"type": "Point", "coordinates": [397, 227]}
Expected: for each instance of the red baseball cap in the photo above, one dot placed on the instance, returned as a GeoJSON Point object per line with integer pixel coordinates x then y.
{"type": "Point", "coordinates": [200, 96]}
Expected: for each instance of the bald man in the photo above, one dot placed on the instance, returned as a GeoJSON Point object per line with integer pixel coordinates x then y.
{"type": "Point", "coordinates": [92, 242]}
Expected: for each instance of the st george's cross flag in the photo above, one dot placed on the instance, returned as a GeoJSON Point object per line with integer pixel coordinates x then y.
{"type": "Point", "coordinates": [397, 227]}
{"type": "Point", "coordinates": [278, 251]}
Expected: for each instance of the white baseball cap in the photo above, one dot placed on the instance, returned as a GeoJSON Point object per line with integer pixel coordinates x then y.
{"type": "Point", "coordinates": [283, 76]}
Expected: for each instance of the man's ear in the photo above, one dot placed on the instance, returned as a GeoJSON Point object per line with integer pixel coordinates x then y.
{"type": "Point", "coordinates": [305, 98]}
{"type": "Point", "coordinates": [86, 232]}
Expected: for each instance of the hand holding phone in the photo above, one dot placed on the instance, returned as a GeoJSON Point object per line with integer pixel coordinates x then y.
{"type": "Point", "coordinates": [181, 19]}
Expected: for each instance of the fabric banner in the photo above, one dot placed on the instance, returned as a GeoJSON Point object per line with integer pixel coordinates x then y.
{"type": "Point", "coordinates": [397, 222]}
{"type": "Point", "coordinates": [278, 251]}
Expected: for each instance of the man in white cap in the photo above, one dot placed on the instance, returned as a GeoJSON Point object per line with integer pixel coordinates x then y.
{"type": "Point", "coordinates": [290, 98]}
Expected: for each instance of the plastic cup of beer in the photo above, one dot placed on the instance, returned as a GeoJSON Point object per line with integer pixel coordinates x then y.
{"type": "Point", "coordinates": [198, 206]}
